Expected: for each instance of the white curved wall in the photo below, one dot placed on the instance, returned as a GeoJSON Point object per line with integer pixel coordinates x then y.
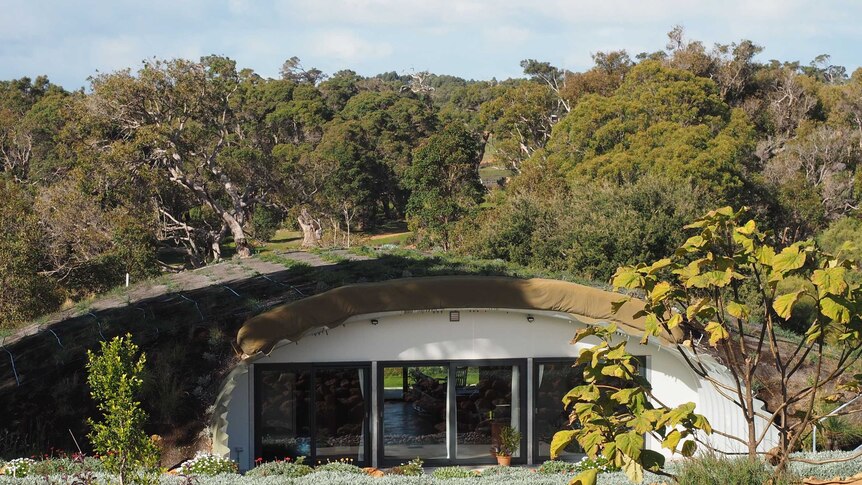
{"type": "Point", "coordinates": [480, 334]}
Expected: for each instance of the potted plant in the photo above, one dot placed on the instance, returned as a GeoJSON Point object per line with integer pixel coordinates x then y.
{"type": "Point", "coordinates": [507, 445]}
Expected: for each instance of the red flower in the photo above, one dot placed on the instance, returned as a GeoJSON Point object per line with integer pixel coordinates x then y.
{"type": "Point", "coordinates": [259, 460]}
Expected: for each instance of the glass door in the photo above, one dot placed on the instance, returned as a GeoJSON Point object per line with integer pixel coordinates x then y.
{"type": "Point", "coordinates": [316, 411]}
{"type": "Point", "coordinates": [448, 412]}
{"type": "Point", "coordinates": [414, 413]}
{"type": "Point", "coordinates": [487, 399]}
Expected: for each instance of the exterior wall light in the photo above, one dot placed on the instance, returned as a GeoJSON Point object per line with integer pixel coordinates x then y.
{"type": "Point", "coordinates": [530, 318]}
{"type": "Point", "coordinates": [374, 321]}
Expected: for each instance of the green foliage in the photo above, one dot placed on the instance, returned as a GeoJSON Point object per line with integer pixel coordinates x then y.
{"type": "Point", "coordinates": [286, 468]}
{"type": "Point", "coordinates": [114, 377]}
{"type": "Point", "coordinates": [24, 291]}
{"type": "Point", "coordinates": [411, 468]}
{"type": "Point", "coordinates": [449, 472]}
{"type": "Point", "coordinates": [339, 466]}
{"type": "Point", "coordinates": [444, 181]}
{"type": "Point", "coordinates": [600, 463]}
{"type": "Point", "coordinates": [67, 466]}
{"type": "Point", "coordinates": [709, 470]}
{"type": "Point", "coordinates": [615, 409]}
{"type": "Point", "coordinates": [660, 120]}
{"type": "Point", "coordinates": [553, 467]}
{"type": "Point", "coordinates": [510, 441]}
{"type": "Point", "coordinates": [207, 464]}
{"type": "Point", "coordinates": [699, 287]}
{"type": "Point", "coordinates": [20, 467]}
{"type": "Point", "coordinates": [264, 223]}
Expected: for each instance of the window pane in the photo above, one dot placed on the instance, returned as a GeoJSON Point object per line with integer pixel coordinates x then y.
{"type": "Point", "coordinates": [340, 396]}
{"type": "Point", "coordinates": [554, 381]}
{"type": "Point", "coordinates": [486, 401]}
{"type": "Point", "coordinates": [414, 412]}
{"type": "Point", "coordinates": [284, 414]}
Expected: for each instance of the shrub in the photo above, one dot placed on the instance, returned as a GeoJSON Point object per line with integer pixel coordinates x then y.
{"type": "Point", "coordinates": [114, 376]}
{"type": "Point", "coordinates": [207, 464]}
{"type": "Point", "coordinates": [499, 471]}
{"type": "Point", "coordinates": [20, 467]}
{"type": "Point", "coordinates": [287, 469]}
{"type": "Point", "coordinates": [709, 470]}
{"type": "Point", "coordinates": [412, 468]}
{"type": "Point", "coordinates": [447, 472]}
{"type": "Point", "coordinates": [338, 466]}
{"type": "Point", "coordinates": [67, 466]}
{"type": "Point", "coordinates": [826, 470]}
{"type": "Point", "coordinates": [552, 467]}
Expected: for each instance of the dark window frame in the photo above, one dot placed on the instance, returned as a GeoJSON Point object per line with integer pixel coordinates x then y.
{"type": "Point", "coordinates": [452, 428]}
{"type": "Point", "coordinates": [259, 369]}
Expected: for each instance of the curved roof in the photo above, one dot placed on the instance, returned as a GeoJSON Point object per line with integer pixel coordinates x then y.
{"type": "Point", "coordinates": [326, 310]}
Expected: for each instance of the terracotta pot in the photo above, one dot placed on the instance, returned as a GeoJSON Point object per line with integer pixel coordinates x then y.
{"type": "Point", "coordinates": [504, 460]}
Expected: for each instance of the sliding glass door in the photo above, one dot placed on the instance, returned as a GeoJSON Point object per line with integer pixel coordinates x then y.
{"type": "Point", "coordinates": [317, 411]}
{"type": "Point", "coordinates": [449, 412]}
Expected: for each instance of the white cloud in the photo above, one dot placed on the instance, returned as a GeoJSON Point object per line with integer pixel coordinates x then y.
{"type": "Point", "coordinates": [346, 46]}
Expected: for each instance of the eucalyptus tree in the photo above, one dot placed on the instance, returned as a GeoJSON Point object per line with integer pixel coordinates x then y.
{"type": "Point", "coordinates": [182, 120]}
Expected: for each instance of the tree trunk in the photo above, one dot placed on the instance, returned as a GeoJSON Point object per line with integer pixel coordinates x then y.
{"type": "Point", "coordinates": [243, 248]}
{"type": "Point", "coordinates": [310, 230]}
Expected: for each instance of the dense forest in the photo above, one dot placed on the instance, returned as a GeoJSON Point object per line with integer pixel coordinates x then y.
{"type": "Point", "coordinates": [182, 163]}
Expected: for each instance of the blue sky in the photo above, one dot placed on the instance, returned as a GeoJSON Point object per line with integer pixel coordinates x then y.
{"type": "Point", "coordinates": [480, 39]}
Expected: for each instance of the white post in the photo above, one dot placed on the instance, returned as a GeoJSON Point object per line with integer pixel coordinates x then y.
{"type": "Point", "coordinates": [127, 280]}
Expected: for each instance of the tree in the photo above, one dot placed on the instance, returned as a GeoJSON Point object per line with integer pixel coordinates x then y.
{"type": "Point", "coordinates": [444, 183]}
{"type": "Point", "coordinates": [25, 290]}
{"type": "Point", "coordinates": [615, 408]}
{"type": "Point", "coordinates": [114, 376]}
{"type": "Point", "coordinates": [729, 283]}
{"type": "Point", "coordinates": [179, 118]}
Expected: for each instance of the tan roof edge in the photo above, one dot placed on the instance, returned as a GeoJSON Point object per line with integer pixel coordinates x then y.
{"type": "Point", "coordinates": [326, 310]}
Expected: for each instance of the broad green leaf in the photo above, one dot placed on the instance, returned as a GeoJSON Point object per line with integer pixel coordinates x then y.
{"type": "Point", "coordinates": [689, 271]}
{"type": "Point", "coordinates": [627, 277]}
{"type": "Point", "coordinates": [591, 442]}
{"type": "Point", "coordinates": [694, 242]}
{"type": "Point", "coordinates": [630, 443]}
{"type": "Point", "coordinates": [671, 440]}
{"type": "Point", "coordinates": [738, 310]}
{"type": "Point", "coordinates": [830, 280]}
{"type": "Point", "coordinates": [765, 255]}
{"type": "Point", "coordinates": [716, 278]}
{"type": "Point", "coordinates": [633, 469]}
{"type": "Point", "coordinates": [717, 333]}
{"type": "Point", "coordinates": [624, 396]}
{"type": "Point", "coordinates": [640, 424]}
{"type": "Point", "coordinates": [789, 259]}
{"type": "Point", "coordinates": [688, 448]}
{"type": "Point", "coordinates": [836, 308]}
{"type": "Point", "coordinates": [560, 441]}
{"type": "Point", "coordinates": [746, 242]}
{"type": "Point", "coordinates": [586, 477]}
{"type": "Point", "coordinates": [813, 333]}
{"type": "Point", "coordinates": [652, 460]}
{"type": "Point", "coordinates": [651, 326]}
{"type": "Point", "coordinates": [783, 304]}
{"type": "Point", "coordinates": [674, 320]}
{"type": "Point", "coordinates": [660, 291]}
{"type": "Point", "coordinates": [748, 229]}
{"type": "Point", "coordinates": [659, 265]}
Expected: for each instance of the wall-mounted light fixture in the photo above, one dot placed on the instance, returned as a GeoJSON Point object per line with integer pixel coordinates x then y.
{"type": "Point", "coordinates": [455, 316]}
{"type": "Point", "coordinates": [374, 321]}
{"type": "Point", "coordinates": [530, 318]}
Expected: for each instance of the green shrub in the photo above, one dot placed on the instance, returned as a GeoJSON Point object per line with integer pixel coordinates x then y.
{"type": "Point", "coordinates": [552, 467]}
{"type": "Point", "coordinates": [114, 376]}
{"type": "Point", "coordinates": [448, 472]}
{"type": "Point", "coordinates": [20, 467]}
{"type": "Point", "coordinates": [287, 469]}
{"type": "Point", "coordinates": [499, 471]}
{"type": "Point", "coordinates": [339, 467]}
{"type": "Point", "coordinates": [412, 468]}
{"type": "Point", "coordinates": [208, 465]}
{"type": "Point", "coordinates": [826, 470]}
{"type": "Point", "coordinates": [67, 466]}
{"type": "Point", "coordinates": [711, 470]}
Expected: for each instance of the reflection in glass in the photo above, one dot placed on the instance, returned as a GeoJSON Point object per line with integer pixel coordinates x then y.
{"type": "Point", "coordinates": [340, 413]}
{"type": "Point", "coordinates": [414, 412]}
{"type": "Point", "coordinates": [554, 381]}
{"type": "Point", "coordinates": [486, 399]}
{"type": "Point", "coordinates": [284, 414]}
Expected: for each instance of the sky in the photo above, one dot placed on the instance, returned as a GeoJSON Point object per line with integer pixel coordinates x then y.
{"type": "Point", "coordinates": [476, 39]}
